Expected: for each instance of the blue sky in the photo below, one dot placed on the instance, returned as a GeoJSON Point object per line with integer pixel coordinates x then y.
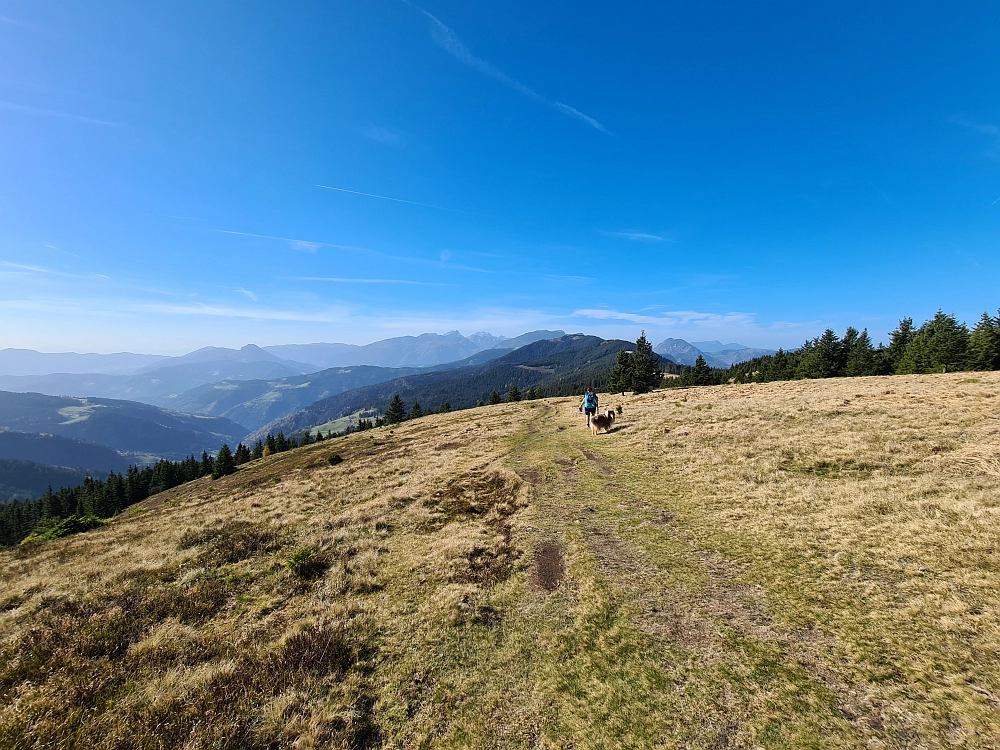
{"type": "Point", "coordinates": [752, 172]}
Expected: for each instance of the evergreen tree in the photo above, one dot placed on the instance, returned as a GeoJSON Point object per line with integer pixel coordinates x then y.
{"type": "Point", "coordinates": [495, 398]}
{"type": "Point", "coordinates": [700, 374]}
{"type": "Point", "coordinates": [984, 344]}
{"type": "Point", "coordinates": [646, 372]}
{"type": "Point", "coordinates": [444, 408]}
{"type": "Point", "coordinates": [271, 444]}
{"type": "Point", "coordinates": [280, 442]}
{"type": "Point", "coordinates": [940, 345]}
{"type": "Point", "coordinates": [258, 451]}
{"type": "Point", "coordinates": [242, 454]}
{"type": "Point", "coordinates": [480, 402]}
{"type": "Point", "coordinates": [206, 464]}
{"type": "Point", "coordinates": [513, 395]}
{"type": "Point", "coordinates": [396, 412]}
{"type": "Point", "coordinates": [860, 355]}
{"type": "Point", "coordinates": [417, 411]}
{"type": "Point", "coordinates": [224, 463]}
{"type": "Point", "coordinates": [899, 342]}
{"type": "Point", "coordinates": [620, 377]}
{"type": "Point", "coordinates": [821, 357]}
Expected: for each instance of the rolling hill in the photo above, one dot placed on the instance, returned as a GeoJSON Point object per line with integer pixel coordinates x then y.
{"type": "Point", "coordinates": [124, 426]}
{"type": "Point", "coordinates": [27, 480]}
{"type": "Point", "coordinates": [61, 451]}
{"type": "Point", "coordinates": [254, 403]}
{"type": "Point", "coordinates": [789, 565]}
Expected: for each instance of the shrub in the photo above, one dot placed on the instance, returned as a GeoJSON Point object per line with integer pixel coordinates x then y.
{"type": "Point", "coordinates": [334, 459]}
{"type": "Point", "coordinates": [305, 562]}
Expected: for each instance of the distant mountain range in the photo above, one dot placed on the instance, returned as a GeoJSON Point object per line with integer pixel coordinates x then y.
{"type": "Point", "coordinates": [567, 364]}
{"type": "Point", "coordinates": [159, 380]}
{"type": "Point", "coordinates": [30, 362]}
{"type": "Point", "coordinates": [424, 350]}
{"type": "Point", "coordinates": [716, 354]}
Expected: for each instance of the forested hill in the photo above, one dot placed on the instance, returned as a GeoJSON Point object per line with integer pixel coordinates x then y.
{"type": "Point", "coordinates": [122, 425]}
{"type": "Point", "coordinates": [561, 366]}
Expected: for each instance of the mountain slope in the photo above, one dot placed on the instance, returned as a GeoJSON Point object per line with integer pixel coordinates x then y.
{"type": "Point", "coordinates": [567, 363]}
{"type": "Point", "coordinates": [122, 425]}
{"type": "Point", "coordinates": [254, 403]}
{"type": "Point", "coordinates": [61, 451]}
{"type": "Point", "coordinates": [499, 578]}
{"type": "Point", "coordinates": [27, 480]}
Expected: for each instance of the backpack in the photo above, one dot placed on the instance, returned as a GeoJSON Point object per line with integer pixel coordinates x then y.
{"type": "Point", "coordinates": [590, 400]}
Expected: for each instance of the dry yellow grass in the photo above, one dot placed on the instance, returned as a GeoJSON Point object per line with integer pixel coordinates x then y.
{"type": "Point", "coordinates": [806, 564]}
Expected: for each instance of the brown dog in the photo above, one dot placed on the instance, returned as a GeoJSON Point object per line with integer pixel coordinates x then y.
{"type": "Point", "coordinates": [600, 422]}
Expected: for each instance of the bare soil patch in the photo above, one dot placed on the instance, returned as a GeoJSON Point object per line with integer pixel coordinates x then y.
{"type": "Point", "coordinates": [603, 465]}
{"type": "Point", "coordinates": [548, 567]}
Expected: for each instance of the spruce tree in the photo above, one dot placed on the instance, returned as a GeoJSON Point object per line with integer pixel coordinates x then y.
{"type": "Point", "coordinates": [860, 356]}
{"type": "Point", "coordinates": [940, 345]}
{"type": "Point", "coordinates": [620, 377]}
{"type": "Point", "coordinates": [495, 398]}
{"type": "Point", "coordinates": [984, 344]}
{"type": "Point", "coordinates": [444, 408]}
{"type": "Point", "coordinates": [242, 454]}
{"type": "Point", "coordinates": [206, 464]}
{"type": "Point", "coordinates": [821, 357]}
{"type": "Point", "coordinates": [396, 412]}
{"type": "Point", "coordinates": [899, 341]}
{"type": "Point", "coordinates": [701, 373]}
{"type": "Point", "coordinates": [417, 411]}
{"type": "Point", "coordinates": [224, 463]}
{"type": "Point", "coordinates": [258, 451]}
{"type": "Point", "coordinates": [513, 395]}
{"type": "Point", "coordinates": [646, 372]}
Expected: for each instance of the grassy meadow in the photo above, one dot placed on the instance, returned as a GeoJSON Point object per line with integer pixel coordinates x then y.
{"type": "Point", "coordinates": [789, 565]}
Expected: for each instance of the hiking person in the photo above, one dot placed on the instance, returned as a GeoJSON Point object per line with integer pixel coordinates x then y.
{"type": "Point", "coordinates": [589, 404]}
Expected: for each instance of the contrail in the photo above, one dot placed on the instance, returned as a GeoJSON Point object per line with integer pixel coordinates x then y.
{"type": "Point", "coordinates": [400, 200]}
{"type": "Point", "coordinates": [449, 41]}
{"type": "Point", "coordinates": [995, 202]}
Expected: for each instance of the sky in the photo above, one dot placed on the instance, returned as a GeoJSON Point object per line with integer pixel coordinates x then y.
{"type": "Point", "coordinates": [184, 174]}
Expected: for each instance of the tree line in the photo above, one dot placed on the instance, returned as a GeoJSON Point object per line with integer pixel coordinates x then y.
{"type": "Point", "coordinates": [941, 344]}
{"type": "Point", "coordinates": [90, 504]}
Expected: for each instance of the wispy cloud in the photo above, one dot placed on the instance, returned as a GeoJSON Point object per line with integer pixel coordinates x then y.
{"type": "Point", "coordinates": [248, 293]}
{"type": "Point", "coordinates": [979, 127]}
{"type": "Point", "coordinates": [671, 318]}
{"type": "Point", "coordinates": [223, 311]}
{"type": "Point", "coordinates": [398, 200]}
{"type": "Point", "coordinates": [449, 41]}
{"type": "Point", "coordinates": [382, 135]}
{"type": "Point", "coordinates": [638, 236]}
{"type": "Point", "coordinates": [305, 246]}
{"type": "Point", "coordinates": [339, 280]}
{"type": "Point", "coordinates": [54, 113]}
